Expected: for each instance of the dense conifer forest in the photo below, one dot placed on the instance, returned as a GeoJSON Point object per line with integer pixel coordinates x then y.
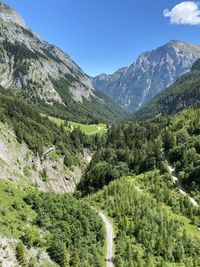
{"type": "Point", "coordinates": [151, 223]}
{"type": "Point", "coordinates": [68, 229]}
{"type": "Point", "coordinates": [138, 147]}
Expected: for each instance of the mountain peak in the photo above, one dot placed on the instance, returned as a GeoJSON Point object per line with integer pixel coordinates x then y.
{"type": "Point", "coordinates": [152, 72]}
{"type": "Point", "coordinates": [9, 15]}
{"type": "Point", "coordinates": [183, 44]}
{"type": "Point", "coordinates": [173, 41]}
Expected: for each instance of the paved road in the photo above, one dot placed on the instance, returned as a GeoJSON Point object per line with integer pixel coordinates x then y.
{"type": "Point", "coordinates": [109, 240]}
{"type": "Point", "coordinates": [178, 183]}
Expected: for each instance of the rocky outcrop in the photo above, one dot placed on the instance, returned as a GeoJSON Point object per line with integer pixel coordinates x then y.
{"type": "Point", "coordinates": [20, 165]}
{"type": "Point", "coordinates": [8, 254]}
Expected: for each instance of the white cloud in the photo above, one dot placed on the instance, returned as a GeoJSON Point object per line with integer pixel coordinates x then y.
{"type": "Point", "coordinates": [186, 13]}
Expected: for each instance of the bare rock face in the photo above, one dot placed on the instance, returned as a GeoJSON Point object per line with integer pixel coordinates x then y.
{"type": "Point", "coordinates": [9, 15]}
{"type": "Point", "coordinates": [153, 71]}
{"type": "Point", "coordinates": [31, 65]}
{"type": "Point", "coordinates": [8, 254]}
{"type": "Point", "coordinates": [43, 74]}
{"type": "Point", "coordinates": [19, 165]}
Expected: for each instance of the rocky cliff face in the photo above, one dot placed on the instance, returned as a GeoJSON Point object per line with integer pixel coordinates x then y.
{"type": "Point", "coordinates": [153, 71]}
{"type": "Point", "coordinates": [27, 62]}
{"type": "Point", "coordinates": [19, 165]}
{"type": "Point", "coordinates": [184, 93]}
{"type": "Point", "coordinates": [39, 71]}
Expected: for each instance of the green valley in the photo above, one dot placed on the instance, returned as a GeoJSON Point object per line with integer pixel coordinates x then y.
{"type": "Point", "coordinates": [83, 183]}
{"type": "Point", "coordinates": [126, 176]}
{"type": "Point", "coordinates": [89, 129]}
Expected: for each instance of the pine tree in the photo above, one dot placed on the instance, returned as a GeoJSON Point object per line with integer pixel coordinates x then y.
{"type": "Point", "coordinates": [76, 260]}
{"type": "Point", "coordinates": [20, 254]}
{"type": "Point", "coordinates": [65, 257]}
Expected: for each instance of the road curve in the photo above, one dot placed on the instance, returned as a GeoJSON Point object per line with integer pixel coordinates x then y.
{"type": "Point", "coordinates": [178, 183]}
{"type": "Point", "coordinates": [109, 240]}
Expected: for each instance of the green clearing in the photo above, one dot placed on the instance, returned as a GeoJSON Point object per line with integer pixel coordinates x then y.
{"type": "Point", "coordinates": [87, 129]}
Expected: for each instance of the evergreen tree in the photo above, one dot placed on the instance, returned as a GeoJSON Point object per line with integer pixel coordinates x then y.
{"type": "Point", "coordinates": [21, 254]}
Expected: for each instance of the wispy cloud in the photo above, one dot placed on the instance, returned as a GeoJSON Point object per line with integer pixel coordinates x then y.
{"type": "Point", "coordinates": [186, 13]}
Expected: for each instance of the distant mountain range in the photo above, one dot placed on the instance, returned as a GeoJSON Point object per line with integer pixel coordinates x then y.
{"type": "Point", "coordinates": [132, 87]}
{"type": "Point", "coordinates": [43, 74]}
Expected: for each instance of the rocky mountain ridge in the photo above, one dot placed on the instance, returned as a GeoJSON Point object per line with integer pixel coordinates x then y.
{"type": "Point", "coordinates": [41, 72]}
{"type": "Point", "coordinates": [183, 94]}
{"type": "Point", "coordinates": [152, 72]}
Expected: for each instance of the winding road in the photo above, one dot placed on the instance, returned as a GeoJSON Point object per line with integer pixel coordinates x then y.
{"type": "Point", "coordinates": [109, 240]}
{"type": "Point", "coordinates": [178, 183]}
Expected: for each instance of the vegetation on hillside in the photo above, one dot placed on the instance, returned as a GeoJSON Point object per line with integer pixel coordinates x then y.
{"type": "Point", "coordinates": [93, 111]}
{"type": "Point", "coordinates": [155, 225]}
{"type": "Point", "coordinates": [135, 148]}
{"type": "Point", "coordinates": [38, 132]}
{"type": "Point", "coordinates": [131, 148]}
{"type": "Point", "coordinates": [68, 229]}
{"type": "Point", "coordinates": [74, 229]}
{"type": "Point", "coordinates": [182, 146]}
{"type": "Point", "coordinates": [183, 94]}
{"type": "Point", "coordinates": [148, 230]}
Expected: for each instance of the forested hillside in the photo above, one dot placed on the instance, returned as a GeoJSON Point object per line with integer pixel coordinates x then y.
{"type": "Point", "coordinates": [35, 151]}
{"type": "Point", "coordinates": [38, 132]}
{"type": "Point", "coordinates": [67, 229]}
{"type": "Point", "coordinates": [134, 148]}
{"type": "Point", "coordinates": [151, 222]}
{"type": "Point", "coordinates": [131, 148]}
{"type": "Point", "coordinates": [182, 146]}
{"type": "Point", "coordinates": [154, 224]}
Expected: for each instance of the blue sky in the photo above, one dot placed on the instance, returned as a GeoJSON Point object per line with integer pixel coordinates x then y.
{"type": "Point", "coordinates": [104, 35]}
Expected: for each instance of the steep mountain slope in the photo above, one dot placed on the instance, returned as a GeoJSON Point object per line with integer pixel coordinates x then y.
{"type": "Point", "coordinates": [184, 93]}
{"type": "Point", "coordinates": [153, 71]}
{"type": "Point", "coordinates": [45, 75]}
{"type": "Point", "coordinates": [52, 228]}
{"type": "Point", "coordinates": [36, 152]}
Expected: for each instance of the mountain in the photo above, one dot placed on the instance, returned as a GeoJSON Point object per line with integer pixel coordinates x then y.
{"type": "Point", "coordinates": [43, 74]}
{"type": "Point", "coordinates": [152, 72]}
{"type": "Point", "coordinates": [184, 93]}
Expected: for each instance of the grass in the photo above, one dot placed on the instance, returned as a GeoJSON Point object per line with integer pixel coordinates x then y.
{"type": "Point", "coordinates": [86, 128]}
{"type": "Point", "coordinates": [91, 129]}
